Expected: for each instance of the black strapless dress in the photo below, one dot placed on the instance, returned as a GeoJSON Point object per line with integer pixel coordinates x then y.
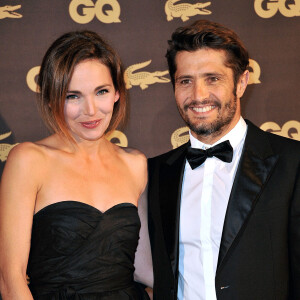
{"type": "Point", "coordinates": [78, 252]}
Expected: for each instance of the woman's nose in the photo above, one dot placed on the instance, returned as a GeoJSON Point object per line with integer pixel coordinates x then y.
{"type": "Point", "coordinates": [90, 106]}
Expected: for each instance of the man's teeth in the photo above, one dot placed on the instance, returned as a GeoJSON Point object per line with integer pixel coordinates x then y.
{"type": "Point", "coordinates": [203, 109]}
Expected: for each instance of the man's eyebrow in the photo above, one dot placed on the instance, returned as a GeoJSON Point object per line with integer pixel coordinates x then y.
{"type": "Point", "coordinates": [183, 77]}
{"type": "Point", "coordinates": [213, 74]}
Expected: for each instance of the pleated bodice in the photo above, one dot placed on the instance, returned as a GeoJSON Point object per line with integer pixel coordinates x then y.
{"type": "Point", "coordinates": [79, 252]}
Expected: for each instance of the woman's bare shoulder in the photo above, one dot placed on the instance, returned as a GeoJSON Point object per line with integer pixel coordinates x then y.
{"type": "Point", "coordinates": [29, 155]}
{"type": "Point", "coordinates": [23, 168]}
{"type": "Point", "coordinates": [134, 155]}
{"type": "Point", "coordinates": [137, 163]}
{"type": "Point", "coordinates": [25, 152]}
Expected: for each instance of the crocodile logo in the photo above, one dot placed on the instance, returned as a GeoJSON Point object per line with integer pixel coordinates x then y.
{"type": "Point", "coordinates": [273, 6]}
{"type": "Point", "coordinates": [185, 10]}
{"type": "Point", "coordinates": [143, 79]}
{"type": "Point", "coordinates": [180, 136]}
{"type": "Point", "coordinates": [5, 148]}
{"type": "Point", "coordinates": [8, 11]}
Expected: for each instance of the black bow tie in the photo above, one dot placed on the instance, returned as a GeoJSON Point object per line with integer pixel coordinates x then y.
{"type": "Point", "coordinates": [197, 157]}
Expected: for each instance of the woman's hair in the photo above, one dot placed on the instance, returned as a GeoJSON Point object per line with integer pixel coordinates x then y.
{"type": "Point", "coordinates": [56, 71]}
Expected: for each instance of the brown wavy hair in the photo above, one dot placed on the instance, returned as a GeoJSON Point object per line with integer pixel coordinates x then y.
{"type": "Point", "coordinates": [206, 34]}
{"type": "Point", "coordinates": [56, 71]}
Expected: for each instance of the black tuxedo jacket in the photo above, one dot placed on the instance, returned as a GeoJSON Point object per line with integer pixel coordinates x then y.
{"type": "Point", "coordinates": [259, 256]}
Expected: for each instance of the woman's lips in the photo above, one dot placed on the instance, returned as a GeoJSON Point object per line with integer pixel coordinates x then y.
{"type": "Point", "coordinates": [91, 124]}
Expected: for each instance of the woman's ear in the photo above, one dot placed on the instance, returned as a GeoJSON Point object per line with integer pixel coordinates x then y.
{"type": "Point", "coordinates": [117, 96]}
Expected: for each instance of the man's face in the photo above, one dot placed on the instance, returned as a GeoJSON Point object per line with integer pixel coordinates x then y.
{"type": "Point", "coordinates": [204, 92]}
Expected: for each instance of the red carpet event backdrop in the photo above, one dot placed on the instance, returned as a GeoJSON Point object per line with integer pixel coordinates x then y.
{"type": "Point", "coordinates": [139, 30]}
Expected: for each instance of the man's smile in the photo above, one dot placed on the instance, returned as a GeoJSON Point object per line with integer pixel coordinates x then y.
{"type": "Point", "coordinates": [203, 109]}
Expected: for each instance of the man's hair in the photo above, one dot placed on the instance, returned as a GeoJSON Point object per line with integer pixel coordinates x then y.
{"type": "Point", "coordinates": [204, 34]}
{"type": "Point", "coordinates": [56, 72]}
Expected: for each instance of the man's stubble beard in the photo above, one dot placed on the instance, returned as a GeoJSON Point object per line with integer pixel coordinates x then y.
{"type": "Point", "coordinates": [218, 125]}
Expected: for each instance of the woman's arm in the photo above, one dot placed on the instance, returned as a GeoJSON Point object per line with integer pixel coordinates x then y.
{"type": "Point", "coordinates": [18, 191]}
{"type": "Point", "coordinates": [143, 259]}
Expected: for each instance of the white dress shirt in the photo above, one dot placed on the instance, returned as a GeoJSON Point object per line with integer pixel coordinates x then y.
{"type": "Point", "coordinates": [204, 199]}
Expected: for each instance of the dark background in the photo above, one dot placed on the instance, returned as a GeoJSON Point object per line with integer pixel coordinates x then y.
{"type": "Point", "coordinates": [271, 33]}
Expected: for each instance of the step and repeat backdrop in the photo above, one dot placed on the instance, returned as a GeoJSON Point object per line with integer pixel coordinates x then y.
{"type": "Point", "coordinates": [139, 30]}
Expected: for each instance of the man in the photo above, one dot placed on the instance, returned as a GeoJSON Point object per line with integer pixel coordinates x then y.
{"type": "Point", "coordinates": [224, 222]}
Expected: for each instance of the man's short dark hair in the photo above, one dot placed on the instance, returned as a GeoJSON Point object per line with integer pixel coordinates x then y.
{"type": "Point", "coordinates": [206, 34]}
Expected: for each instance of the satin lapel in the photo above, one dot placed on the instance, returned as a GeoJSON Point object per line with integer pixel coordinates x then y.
{"type": "Point", "coordinates": [256, 164]}
{"type": "Point", "coordinates": [171, 174]}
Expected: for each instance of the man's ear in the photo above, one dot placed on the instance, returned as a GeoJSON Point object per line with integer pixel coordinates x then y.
{"type": "Point", "coordinates": [242, 84]}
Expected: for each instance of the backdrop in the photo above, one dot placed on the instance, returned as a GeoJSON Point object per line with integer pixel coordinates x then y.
{"type": "Point", "coordinates": [139, 30]}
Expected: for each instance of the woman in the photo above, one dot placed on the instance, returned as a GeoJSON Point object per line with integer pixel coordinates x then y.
{"type": "Point", "coordinates": [68, 203]}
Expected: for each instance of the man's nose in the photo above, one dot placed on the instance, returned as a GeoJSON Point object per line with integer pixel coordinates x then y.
{"type": "Point", "coordinates": [201, 91]}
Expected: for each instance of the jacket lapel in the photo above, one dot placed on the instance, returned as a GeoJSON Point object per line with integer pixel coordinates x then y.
{"type": "Point", "coordinates": [171, 173]}
{"type": "Point", "coordinates": [256, 164]}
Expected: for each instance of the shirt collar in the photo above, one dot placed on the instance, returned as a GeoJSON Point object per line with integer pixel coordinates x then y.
{"type": "Point", "coordinates": [235, 136]}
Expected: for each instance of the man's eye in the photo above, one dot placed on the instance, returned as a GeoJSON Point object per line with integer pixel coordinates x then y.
{"type": "Point", "coordinates": [185, 81]}
{"type": "Point", "coordinates": [102, 92]}
{"type": "Point", "coordinates": [213, 79]}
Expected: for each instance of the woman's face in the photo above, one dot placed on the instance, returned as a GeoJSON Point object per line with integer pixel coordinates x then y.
{"type": "Point", "coordinates": [90, 100]}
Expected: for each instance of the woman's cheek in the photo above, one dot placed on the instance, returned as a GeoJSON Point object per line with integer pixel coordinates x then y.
{"type": "Point", "coordinates": [107, 106]}
{"type": "Point", "coordinates": [72, 111]}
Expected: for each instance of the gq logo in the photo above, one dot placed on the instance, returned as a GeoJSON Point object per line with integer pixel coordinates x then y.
{"type": "Point", "coordinates": [118, 137]}
{"type": "Point", "coordinates": [254, 72]}
{"type": "Point", "coordinates": [84, 11]}
{"type": "Point", "coordinates": [272, 6]}
{"type": "Point", "coordinates": [30, 78]}
{"type": "Point", "coordinates": [290, 129]}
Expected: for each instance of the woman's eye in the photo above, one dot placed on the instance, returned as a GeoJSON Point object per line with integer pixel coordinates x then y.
{"type": "Point", "coordinates": [71, 97]}
{"type": "Point", "coordinates": [102, 92]}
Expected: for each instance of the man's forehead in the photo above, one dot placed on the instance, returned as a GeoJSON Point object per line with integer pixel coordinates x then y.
{"type": "Point", "coordinates": [205, 60]}
{"type": "Point", "coordinates": [202, 53]}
